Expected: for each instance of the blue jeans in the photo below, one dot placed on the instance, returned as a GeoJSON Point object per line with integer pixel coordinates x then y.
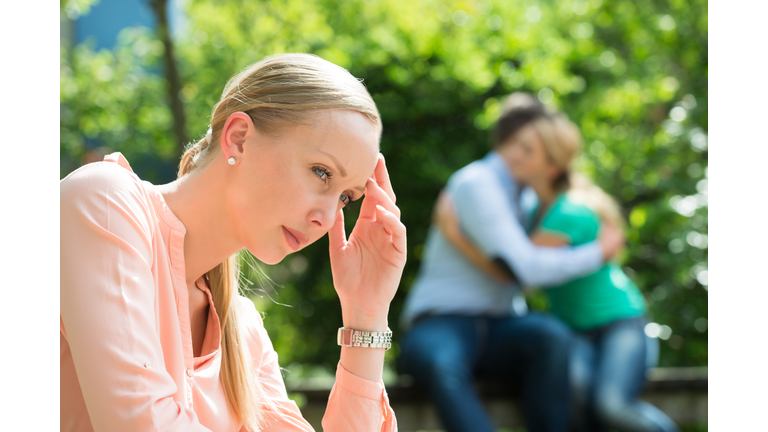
{"type": "Point", "coordinates": [608, 367]}
{"type": "Point", "coordinates": [445, 353]}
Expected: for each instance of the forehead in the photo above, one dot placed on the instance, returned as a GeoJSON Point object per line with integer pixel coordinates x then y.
{"type": "Point", "coordinates": [348, 136]}
{"type": "Point", "coordinates": [528, 135]}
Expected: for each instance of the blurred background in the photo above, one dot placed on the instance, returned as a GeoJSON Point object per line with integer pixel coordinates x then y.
{"type": "Point", "coordinates": [141, 77]}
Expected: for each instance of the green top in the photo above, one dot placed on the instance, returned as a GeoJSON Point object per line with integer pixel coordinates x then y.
{"type": "Point", "coordinates": [596, 299]}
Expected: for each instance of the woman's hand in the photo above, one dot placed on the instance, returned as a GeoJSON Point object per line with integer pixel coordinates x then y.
{"type": "Point", "coordinates": [367, 268]}
{"type": "Point", "coordinates": [611, 239]}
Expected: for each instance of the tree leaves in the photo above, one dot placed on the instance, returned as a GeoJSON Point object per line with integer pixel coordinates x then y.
{"type": "Point", "coordinates": [633, 77]}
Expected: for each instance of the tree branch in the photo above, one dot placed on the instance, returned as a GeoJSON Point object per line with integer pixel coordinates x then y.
{"type": "Point", "coordinates": [171, 73]}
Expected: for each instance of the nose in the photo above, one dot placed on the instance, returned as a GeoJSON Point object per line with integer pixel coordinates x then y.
{"type": "Point", "coordinates": [323, 214]}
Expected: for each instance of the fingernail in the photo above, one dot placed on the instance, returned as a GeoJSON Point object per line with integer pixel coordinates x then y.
{"type": "Point", "coordinates": [380, 207]}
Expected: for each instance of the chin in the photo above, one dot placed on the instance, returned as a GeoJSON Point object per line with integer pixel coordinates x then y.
{"type": "Point", "coordinates": [268, 257]}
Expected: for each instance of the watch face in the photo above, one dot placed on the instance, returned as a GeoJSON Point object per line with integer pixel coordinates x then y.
{"type": "Point", "coordinates": [344, 337]}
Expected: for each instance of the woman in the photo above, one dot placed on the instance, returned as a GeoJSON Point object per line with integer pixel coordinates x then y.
{"type": "Point", "coordinates": [605, 309]}
{"type": "Point", "coordinates": [154, 335]}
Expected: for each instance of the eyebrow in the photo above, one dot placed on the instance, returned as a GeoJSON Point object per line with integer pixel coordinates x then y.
{"type": "Point", "coordinates": [340, 168]}
{"type": "Point", "coordinates": [336, 162]}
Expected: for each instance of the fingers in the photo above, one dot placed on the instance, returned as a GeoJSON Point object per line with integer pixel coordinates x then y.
{"type": "Point", "coordinates": [374, 195]}
{"type": "Point", "coordinates": [393, 227]}
{"type": "Point", "coordinates": [607, 223]}
{"type": "Point", "coordinates": [337, 237]}
{"type": "Point", "coordinates": [380, 197]}
{"type": "Point", "coordinates": [368, 208]}
{"type": "Point", "coordinates": [611, 239]}
{"type": "Point", "coordinates": [381, 175]}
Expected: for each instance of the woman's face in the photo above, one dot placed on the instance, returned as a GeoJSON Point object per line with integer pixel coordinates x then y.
{"type": "Point", "coordinates": [290, 188]}
{"type": "Point", "coordinates": [528, 158]}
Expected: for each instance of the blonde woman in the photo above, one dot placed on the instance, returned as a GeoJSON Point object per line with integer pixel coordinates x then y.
{"type": "Point", "coordinates": [154, 335]}
{"type": "Point", "coordinates": [604, 308]}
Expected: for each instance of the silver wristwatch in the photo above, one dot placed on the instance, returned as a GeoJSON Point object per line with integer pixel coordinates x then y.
{"type": "Point", "coordinates": [356, 338]}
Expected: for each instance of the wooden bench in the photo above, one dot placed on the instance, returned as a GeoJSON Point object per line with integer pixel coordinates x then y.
{"type": "Point", "coordinates": [679, 392]}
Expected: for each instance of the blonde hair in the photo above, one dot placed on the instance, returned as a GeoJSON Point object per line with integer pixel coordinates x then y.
{"type": "Point", "coordinates": [562, 143]}
{"type": "Point", "coordinates": [277, 92]}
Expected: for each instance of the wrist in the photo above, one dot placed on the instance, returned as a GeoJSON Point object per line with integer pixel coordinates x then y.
{"type": "Point", "coordinates": [365, 320]}
{"type": "Point", "coordinates": [605, 251]}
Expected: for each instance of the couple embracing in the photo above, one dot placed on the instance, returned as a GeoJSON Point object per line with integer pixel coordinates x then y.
{"type": "Point", "coordinates": [521, 218]}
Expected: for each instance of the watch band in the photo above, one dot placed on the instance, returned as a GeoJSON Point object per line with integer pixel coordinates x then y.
{"type": "Point", "coordinates": [356, 338]}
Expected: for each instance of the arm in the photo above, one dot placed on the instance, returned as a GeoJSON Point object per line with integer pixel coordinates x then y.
{"type": "Point", "coordinates": [549, 239]}
{"type": "Point", "coordinates": [108, 302]}
{"type": "Point", "coordinates": [488, 218]}
{"type": "Point", "coordinates": [355, 404]}
{"type": "Point", "coordinates": [444, 217]}
{"type": "Point", "coordinates": [366, 269]}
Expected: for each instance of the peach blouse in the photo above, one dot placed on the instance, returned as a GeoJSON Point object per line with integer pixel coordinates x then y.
{"type": "Point", "coordinates": [126, 346]}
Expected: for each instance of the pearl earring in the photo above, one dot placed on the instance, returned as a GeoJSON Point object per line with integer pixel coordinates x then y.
{"type": "Point", "coordinates": [231, 161]}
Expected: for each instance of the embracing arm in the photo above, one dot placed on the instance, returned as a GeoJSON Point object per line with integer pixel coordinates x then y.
{"type": "Point", "coordinates": [488, 218]}
{"type": "Point", "coordinates": [540, 238]}
{"type": "Point", "coordinates": [444, 217]}
{"type": "Point", "coordinates": [108, 302]}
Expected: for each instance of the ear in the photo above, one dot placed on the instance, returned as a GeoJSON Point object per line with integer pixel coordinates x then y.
{"type": "Point", "coordinates": [237, 127]}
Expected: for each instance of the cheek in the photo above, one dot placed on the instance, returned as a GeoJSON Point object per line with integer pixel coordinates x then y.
{"type": "Point", "coordinates": [525, 162]}
{"type": "Point", "coordinates": [516, 156]}
{"type": "Point", "coordinates": [258, 195]}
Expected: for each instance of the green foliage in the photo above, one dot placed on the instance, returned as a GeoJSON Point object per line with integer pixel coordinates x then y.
{"type": "Point", "coordinates": [114, 101]}
{"type": "Point", "coordinates": [634, 77]}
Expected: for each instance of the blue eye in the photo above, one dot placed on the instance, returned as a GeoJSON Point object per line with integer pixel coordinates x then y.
{"type": "Point", "coordinates": [346, 199]}
{"type": "Point", "coordinates": [321, 173]}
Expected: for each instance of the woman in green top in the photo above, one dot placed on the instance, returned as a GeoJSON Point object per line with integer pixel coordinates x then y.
{"type": "Point", "coordinates": [605, 309]}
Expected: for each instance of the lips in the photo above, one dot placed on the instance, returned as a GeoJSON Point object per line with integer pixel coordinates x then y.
{"type": "Point", "coordinates": [295, 239]}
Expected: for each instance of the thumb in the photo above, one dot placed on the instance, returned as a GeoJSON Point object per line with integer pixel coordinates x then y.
{"type": "Point", "coordinates": [337, 236]}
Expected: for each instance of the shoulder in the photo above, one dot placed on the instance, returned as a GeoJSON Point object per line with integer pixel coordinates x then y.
{"type": "Point", "coordinates": [101, 178]}
{"type": "Point", "coordinates": [475, 177]}
{"type": "Point", "coordinates": [476, 171]}
{"type": "Point", "coordinates": [573, 218]}
{"type": "Point", "coordinates": [566, 213]}
{"type": "Point", "coordinates": [573, 209]}
{"type": "Point", "coordinates": [104, 192]}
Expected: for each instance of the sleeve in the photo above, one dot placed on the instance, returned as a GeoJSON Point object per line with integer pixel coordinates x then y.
{"type": "Point", "coordinates": [354, 405]}
{"type": "Point", "coordinates": [358, 404]}
{"type": "Point", "coordinates": [488, 217]}
{"type": "Point", "coordinates": [107, 303]}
